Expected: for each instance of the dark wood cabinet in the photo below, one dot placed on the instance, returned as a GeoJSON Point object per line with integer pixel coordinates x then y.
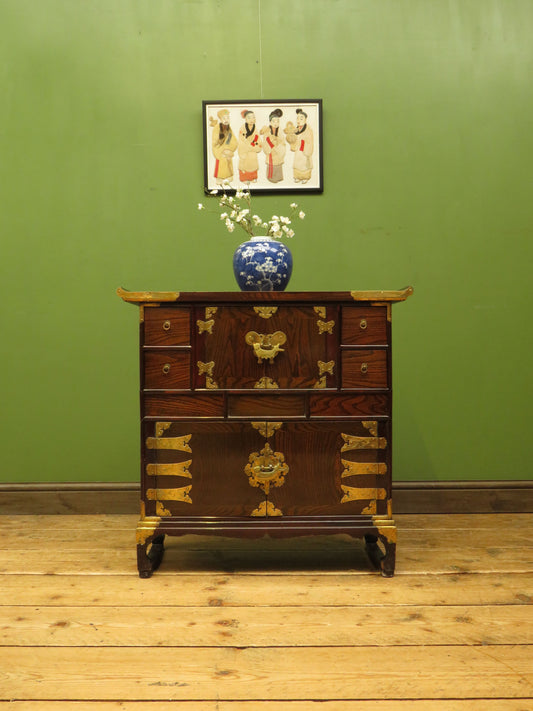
{"type": "Point", "coordinates": [266, 413]}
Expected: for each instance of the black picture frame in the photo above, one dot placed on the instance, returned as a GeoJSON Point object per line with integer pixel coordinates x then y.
{"type": "Point", "coordinates": [265, 146]}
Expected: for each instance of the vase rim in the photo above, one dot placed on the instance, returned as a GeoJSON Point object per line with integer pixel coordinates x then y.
{"type": "Point", "coordinates": [257, 239]}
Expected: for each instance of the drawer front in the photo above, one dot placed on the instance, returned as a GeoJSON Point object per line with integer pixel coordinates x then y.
{"type": "Point", "coordinates": [167, 370]}
{"type": "Point", "coordinates": [276, 347]}
{"type": "Point", "coordinates": [364, 325]}
{"type": "Point", "coordinates": [364, 368]}
{"type": "Point", "coordinates": [183, 405]}
{"type": "Point", "coordinates": [266, 469]}
{"type": "Point", "coordinates": [343, 405]}
{"type": "Point", "coordinates": [166, 326]}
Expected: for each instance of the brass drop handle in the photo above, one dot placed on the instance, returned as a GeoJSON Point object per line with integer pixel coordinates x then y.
{"type": "Point", "coordinates": [166, 368]}
{"type": "Point", "coordinates": [166, 325]}
{"type": "Point", "coordinates": [364, 367]}
{"type": "Point", "coordinates": [266, 346]}
{"type": "Point", "coordinates": [363, 324]}
{"type": "Point", "coordinates": [267, 471]}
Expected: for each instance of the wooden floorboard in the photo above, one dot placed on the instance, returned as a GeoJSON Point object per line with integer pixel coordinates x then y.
{"type": "Point", "coordinates": [352, 705]}
{"type": "Point", "coordinates": [290, 625]}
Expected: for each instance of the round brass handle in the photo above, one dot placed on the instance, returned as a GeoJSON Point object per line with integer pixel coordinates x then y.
{"type": "Point", "coordinates": [166, 325]}
{"type": "Point", "coordinates": [166, 368]}
{"type": "Point", "coordinates": [363, 324]}
{"type": "Point", "coordinates": [364, 367]}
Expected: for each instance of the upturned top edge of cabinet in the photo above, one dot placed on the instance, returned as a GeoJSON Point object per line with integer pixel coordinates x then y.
{"type": "Point", "coordinates": [155, 297]}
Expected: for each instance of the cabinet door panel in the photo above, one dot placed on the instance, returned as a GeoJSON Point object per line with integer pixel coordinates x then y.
{"type": "Point", "coordinates": [340, 468]}
{"type": "Point", "coordinates": [292, 348]}
{"type": "Point", "coordinates": [197, 469]}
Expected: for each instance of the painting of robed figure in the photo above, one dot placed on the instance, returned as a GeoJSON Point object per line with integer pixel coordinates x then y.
{"type": "Point", "coordinates": [263, 145]}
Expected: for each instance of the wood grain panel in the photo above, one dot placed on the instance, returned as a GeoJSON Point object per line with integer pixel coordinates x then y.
{"type": "Point", "coordinates": [326, 405]}
{"type": "Point", "coordinates": [167, 369]}
{"type": "Point", "coordinates": [183, 406]}
{"type": "Point", "coordinates": [364, 368]}
{"type": "Point", "coordinates": [243, 627]}
{"type": "Point", "coordinates": [374, 705]}
{"type": "Point", "coordinates": [364, 325]}
{"type": "Point", "coordinates": [166, 326]}
{"type": "Point", "coordinates": [280, 406]}
{"type": "Point", "coordinates": [312, 673]}
{"type": "Point", "coordinates": [261, 592]}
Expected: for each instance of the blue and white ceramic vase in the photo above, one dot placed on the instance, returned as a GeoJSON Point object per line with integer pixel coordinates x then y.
{"type": "Point", "coordinates": [262, 264]}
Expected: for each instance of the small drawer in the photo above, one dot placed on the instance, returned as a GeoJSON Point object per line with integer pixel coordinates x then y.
{"type": "Point", "coordinates": [266, 406]}
{"type": "Point", "coordinates": [183, 405]}
{"type": "Point", "coordinates": [164, 326]}
{"type": "Point", "coordinates": [364, 368]}
{"type": "Point", "coordinates": [167, 370]}
{"type": "Point", "coordinates": [364, 325]}
{"type": "Point", "coordinates": [328, 405]}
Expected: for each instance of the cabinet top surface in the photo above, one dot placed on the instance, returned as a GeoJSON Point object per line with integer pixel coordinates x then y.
{"type": "Point", "coordinates": [151, 297]}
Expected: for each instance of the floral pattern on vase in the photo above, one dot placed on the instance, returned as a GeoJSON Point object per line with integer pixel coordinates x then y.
{"type": "Point", "coordinates": [262, 264]}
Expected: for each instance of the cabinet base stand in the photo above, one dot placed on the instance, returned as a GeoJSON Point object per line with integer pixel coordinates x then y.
{"type": "Point", "coordinates": [150, 550]}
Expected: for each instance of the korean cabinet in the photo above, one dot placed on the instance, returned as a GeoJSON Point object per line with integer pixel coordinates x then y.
{"type": "Point", "coordinates": [266, 413]}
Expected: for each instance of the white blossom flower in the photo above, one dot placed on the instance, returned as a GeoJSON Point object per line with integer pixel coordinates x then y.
{"type": "Point", "coordinates": [236, 210]}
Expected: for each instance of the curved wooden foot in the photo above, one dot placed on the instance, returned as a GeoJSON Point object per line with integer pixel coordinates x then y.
{"type": "Point", "coordinates": [150, 555]}
{"type": "Point", "coordinates": [382, 561]}
{"type": "Point", "coordinates": [388, 562]}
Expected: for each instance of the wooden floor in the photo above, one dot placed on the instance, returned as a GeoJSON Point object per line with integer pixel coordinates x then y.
{"type": "Point", "coordinates": [267, 626]}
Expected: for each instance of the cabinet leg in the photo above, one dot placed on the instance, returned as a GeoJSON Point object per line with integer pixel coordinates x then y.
{"type": "Point", "coordinates": [373, 550]}
{"type": "Point", "coordinates": [382, 561]}
{"type": "Point", "coordinates": [150, 555]}
{"type": "Point", "coordinates": [388, 562]}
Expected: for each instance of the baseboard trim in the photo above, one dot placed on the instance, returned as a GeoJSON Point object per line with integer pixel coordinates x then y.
{"type": "Point", "coordinates": [413, 497]}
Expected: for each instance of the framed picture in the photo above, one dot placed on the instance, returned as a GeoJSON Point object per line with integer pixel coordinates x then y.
{"type": "Point", "coordinates": [264, 146]}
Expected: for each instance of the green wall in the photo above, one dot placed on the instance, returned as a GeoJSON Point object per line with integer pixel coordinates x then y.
{"type": "Point", "coordinates": [428, 177]}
